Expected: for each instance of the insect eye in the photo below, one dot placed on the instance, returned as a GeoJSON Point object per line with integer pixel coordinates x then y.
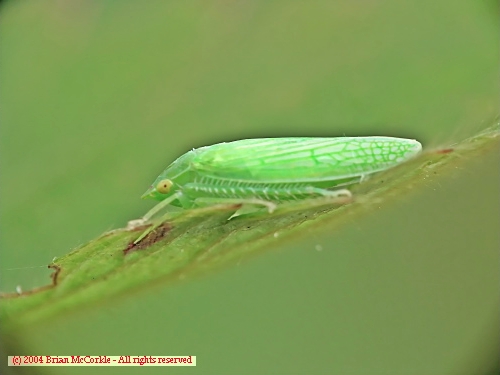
{"type": "Point", "coordinates": [164, 186]}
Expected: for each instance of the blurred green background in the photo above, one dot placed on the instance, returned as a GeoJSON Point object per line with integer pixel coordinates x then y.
{"type": "Point", "coordinates": [98, 97]}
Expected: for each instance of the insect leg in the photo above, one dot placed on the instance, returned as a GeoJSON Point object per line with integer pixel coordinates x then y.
{"type": "Point", "coordinates": [164, 203]}
{"type": "Point", "coordinates": [160, 206]}
{"type": "Point", "coordinates": [329, 193]}
{"type": "Point", "coordinates": [260, 202]}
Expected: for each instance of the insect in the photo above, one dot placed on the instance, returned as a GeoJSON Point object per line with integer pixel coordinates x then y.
{"type": "Point", "coordinates": [267, 171]}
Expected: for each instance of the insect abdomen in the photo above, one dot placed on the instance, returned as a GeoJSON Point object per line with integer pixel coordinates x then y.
{"type": "Point", "coordinates": [242, 189]}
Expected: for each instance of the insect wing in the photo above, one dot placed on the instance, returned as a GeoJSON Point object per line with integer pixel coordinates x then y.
{"type": "Point", "coordinates": [302, 159]}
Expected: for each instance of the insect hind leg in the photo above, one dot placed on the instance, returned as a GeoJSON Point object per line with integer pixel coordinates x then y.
{"type": "Point", "coordinates": [254, 201]}
{"type": "Point", "coordinates": [339, 193]}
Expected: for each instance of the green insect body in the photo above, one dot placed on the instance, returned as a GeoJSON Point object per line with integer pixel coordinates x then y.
{"type": "Point", "coordinates": [269, 170]}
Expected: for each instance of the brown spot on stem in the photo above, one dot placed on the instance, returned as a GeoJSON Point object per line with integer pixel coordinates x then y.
{"type": "Point", "coordinates": [152, 237]}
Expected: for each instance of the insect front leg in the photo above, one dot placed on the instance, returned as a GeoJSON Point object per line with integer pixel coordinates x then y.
{"type": "Point", "coordinates": [160, 206]}
{"type": "Point", "coordinates": [132, 224]}
{"type": "Point", "coordinates": [164, 203]}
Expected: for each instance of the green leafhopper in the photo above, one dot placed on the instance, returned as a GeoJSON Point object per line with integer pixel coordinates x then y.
{"type": "Point", "coordinates": [267, 171]}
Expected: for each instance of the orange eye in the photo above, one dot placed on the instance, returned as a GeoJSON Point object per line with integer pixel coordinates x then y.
{"type": "Point", "coordinates": [164, 186]}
